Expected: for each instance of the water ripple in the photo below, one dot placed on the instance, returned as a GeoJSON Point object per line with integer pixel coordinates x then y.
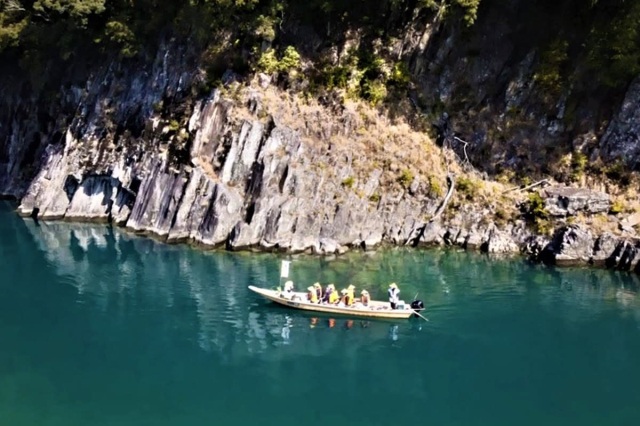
{"type": "Point", "coordinates": [124, 322]}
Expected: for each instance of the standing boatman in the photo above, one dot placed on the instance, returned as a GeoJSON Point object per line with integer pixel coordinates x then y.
{"type": "Point", "coordinates": [394, 295]}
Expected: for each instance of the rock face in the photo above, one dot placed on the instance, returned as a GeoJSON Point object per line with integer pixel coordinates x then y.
{"type": "Point", "coordinates": [137, 148]}
{"type": "Point", "coordinates": [206, 178]}
{"type": "Point", "coordinates": [574, 245]}
{"type": "Point", "coordinates": [623, 134]}
{"type": "Point", "coordinates": [571, 245]}
{"type": "Point", "coordinates": [567, 201]}
{"type": "Point", "coordinates": [260, 186]}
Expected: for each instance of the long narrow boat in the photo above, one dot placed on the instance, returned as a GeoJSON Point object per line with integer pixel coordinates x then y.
{"type": "Point", "coordinates": [376, 309]}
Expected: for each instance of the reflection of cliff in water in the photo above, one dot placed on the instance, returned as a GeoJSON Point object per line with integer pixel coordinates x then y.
{"type": "Point", "coordinates": [202, 296]}
{"type": "Point", "coordinates": [126, 275]}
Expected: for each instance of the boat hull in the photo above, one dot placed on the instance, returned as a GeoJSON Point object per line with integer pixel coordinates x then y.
{"type": "Point", "coordinates": [376, 310]}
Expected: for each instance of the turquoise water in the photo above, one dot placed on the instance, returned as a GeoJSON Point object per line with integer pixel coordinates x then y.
{"type": "Point", "coordinates": [103, 328]}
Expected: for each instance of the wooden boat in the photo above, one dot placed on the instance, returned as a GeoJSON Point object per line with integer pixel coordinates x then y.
{"type": "Point", "coordinates": [376, 309]}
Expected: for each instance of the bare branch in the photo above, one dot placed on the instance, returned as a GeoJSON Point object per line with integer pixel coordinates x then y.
{"type": "Point", "coordinates": [11, 6]}
{"type": "Point", "coordinates": [464, 148]}
{"type": "Point", "coordinates": [517, 188]}
{"type": "Point", "coordinates": [452, 185]}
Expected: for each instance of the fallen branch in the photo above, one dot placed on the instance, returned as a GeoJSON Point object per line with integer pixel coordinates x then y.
{"type": "Point", "coordinates": [452, 185]}
{"type": "Point", "coordinates": [464, 148]}
{"type": "Point", "coordinates": [517, 188]}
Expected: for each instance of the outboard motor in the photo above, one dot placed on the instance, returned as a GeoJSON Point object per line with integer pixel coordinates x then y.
{"type": "Point", "coordinates": [417, 305]}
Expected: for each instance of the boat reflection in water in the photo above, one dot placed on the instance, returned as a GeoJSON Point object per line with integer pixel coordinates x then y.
{"type": "Point", "coordinates": [194, 296]}
{"type": "Point", "coordinates": [304, 326]}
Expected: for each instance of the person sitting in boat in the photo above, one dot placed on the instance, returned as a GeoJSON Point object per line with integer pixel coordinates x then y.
{"type": "Point", "coordinates": [347, 297]}
{"type": "Point", "coordinates": [288, 290]}
{"type": "Point", "coordinates": [331, 295]}
{"type": "Point", "coordinates": [312, 296]}
{"type": "Point", "coordinates": [318, 290]}
{"type": "Point", "coordinates": [351, 291]}
{"type": "Point", "coordinates": [344, 295]}
{"type": "Point", "coordinates": [364, 298]}
{"type": "Point", "coordinates": [394, 295]}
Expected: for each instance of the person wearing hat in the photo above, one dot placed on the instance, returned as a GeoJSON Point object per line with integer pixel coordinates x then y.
{"type": "Point", "coordinates": [312, 296]}
{"type": "Point", "coordinates": [364, 298]}
{"type": "Point", "coordinates": [318, 289]}
{"type": "Point", "coordinates": [394, 295]}
{"type": "Point", "coordinates": [347, 296]}
{"type": "Point", "coordinates": [288, 290]}
{"type": "Point", "coordinates": [344, 298]}
{"type": "Point", "coordinates": [331, 295]}
{"type": "Point", "coordinates": [351, 291]}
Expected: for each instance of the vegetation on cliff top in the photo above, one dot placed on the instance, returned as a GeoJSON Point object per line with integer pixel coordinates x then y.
{"type": "Point", "coordinates": [602, 36]}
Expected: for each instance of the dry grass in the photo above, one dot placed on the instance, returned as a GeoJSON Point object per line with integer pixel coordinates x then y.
{"type": "Point", "coordinates": [372, 138]}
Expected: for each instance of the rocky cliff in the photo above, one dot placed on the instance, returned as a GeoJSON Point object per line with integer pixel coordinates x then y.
{"type": "Point", "coordinates": [141, 146]}
{"type": "Point", "coordinates": [105, 152]}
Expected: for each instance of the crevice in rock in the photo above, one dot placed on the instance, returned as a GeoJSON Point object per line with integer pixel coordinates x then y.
{"type": "Point", "coordinates": [209, 220]}
{"type": "Point", "coordinates": [283, 178]}
{"type": "Point", "coordinates": [249, 214]}
{"type": "Point", "coordinates": [134, 187]}
{"type": "Point", "coordinates": [29, 156]}
{"type": "Point", "coordinates": [254, 183]}
{"type": "Point", "coordinates": [71, 185]}
{"type": "Point", "coordinates": [179, 203]}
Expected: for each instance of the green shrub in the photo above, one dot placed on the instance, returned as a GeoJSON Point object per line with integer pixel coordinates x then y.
{"type": "Point", "coordinates": [121, 35]}
{"type": "Point", "coordinates": [618, 172]}
{"type": "Point", "coordinates": [467, 187]}
{"type": "Point", "coordinates": [578, 165]}
{"type": "Point", "coordinates": [435, 189]}
{"type": "Point", "coordinates": [348, 182]}
{"type": "Point", "coordinates": [290, 60]}
{"type": "Point", "coordinates": [335, 77]}
{"type": "Point", "coordinates": [374, 91]}
{"type": "Point", "coordinates": [375, 197]}
{"type": "Point", "coordinates": [400, 75]}
{"type": "Point", "coordinates": [405, 178]}
{"type": "Point", "coordinates": [543, 227]}
{"type": "Point", "coordinates": [265, 28]}
{"type": "Point", "coordinates": [549, 75]}
{"type": "Point", "coordinates": [536, 215]}
{"type": "Point", "coordinates": [535, 206]}
{"type": "Point", "coordinates": [617, 207]}
{"type": "Point", "coordinates": [268, 62]}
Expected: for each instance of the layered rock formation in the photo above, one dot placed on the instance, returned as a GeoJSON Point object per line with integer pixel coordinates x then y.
{"type": "Point", "coordinates": [137, 148]}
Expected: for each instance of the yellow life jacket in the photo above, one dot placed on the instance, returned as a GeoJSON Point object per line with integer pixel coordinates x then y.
{"type": "Point", "coordinates": [348, 300]}
{"type": "Point", "coordinates": [333, 297]}
{"type": "Point", "coordinates": [312, 296]}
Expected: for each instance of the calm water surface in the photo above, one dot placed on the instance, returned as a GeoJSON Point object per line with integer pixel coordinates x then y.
{"type": "Point", "coordinates": [103, 328]}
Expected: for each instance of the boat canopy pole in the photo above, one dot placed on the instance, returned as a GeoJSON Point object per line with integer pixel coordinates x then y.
{"type": "Point", "coordinates": [284, 270]}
